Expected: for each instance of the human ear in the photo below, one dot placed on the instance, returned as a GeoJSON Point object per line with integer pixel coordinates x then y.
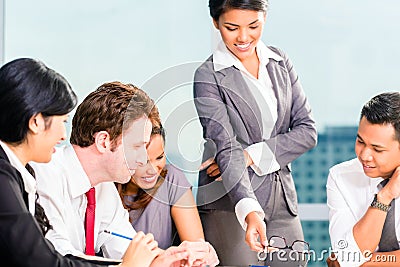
{"type": "Point", "coordinates": [216, 25]}
{"type": "Point", "coordinates": [102, 141]}
{"type": "Point", "coordinates": [36, 123]}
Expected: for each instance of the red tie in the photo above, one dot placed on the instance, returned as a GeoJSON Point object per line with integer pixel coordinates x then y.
{"type": "Point", "coordinates": [89, 221]}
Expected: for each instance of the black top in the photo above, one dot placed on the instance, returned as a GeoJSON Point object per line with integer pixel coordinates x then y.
{"type": "Point", "coordinates": [21, 240]}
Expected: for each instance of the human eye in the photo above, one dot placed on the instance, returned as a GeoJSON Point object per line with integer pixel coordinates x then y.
{"type": "Point", "coordinates": [379, 149]}
{"type": "Point", "coordinates": [254, 27]}
{"type": "Point", "coordinates": [359, 141]}
{"type": "Point", "coordinates": [231, 29]}
{"type": "Point", "coordinates": [160, 157]}
{"type": "Point", "coordinates": [137, 146]}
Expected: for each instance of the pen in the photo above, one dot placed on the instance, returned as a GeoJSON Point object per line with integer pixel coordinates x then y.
{"type": "Point", "coordinates": [112, 233]}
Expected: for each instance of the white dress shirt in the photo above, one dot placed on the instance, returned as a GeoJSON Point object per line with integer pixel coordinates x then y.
{"type": "Point", "coordinates": [62, 185]}
{"type": "Point", "coordinates": [29, 180]}
{"type": "Point", "coordinates": [349, 195]}
{"type": "Point", "coordinates": [264, 161]}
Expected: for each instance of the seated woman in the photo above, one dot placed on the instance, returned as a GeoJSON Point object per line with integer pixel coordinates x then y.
{"type": "Point", "coordinates": [159, 198]}
{"type": "Point", "coordinates": [34, 105]}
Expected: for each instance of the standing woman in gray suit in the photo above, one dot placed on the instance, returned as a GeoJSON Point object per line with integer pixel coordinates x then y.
{"type": "Point", "coordinates": [256, 120]}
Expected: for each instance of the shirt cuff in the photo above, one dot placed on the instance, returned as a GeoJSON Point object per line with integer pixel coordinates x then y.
{"type": "Point", "coordinates": [244, 207]}
{"type": "Point", "coordinates": [264, 161]}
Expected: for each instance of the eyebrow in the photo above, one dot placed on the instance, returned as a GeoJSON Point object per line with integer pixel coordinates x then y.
{"type": "Point", "coordinates": [236, 25]}
{"type": "Point", "coordinates": [378, 146]}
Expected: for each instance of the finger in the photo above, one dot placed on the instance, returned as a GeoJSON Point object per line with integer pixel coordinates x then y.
{"type": "Point", "coordinates": [139, 236]}
{"type": "Point", "coordinates": [172, 250]}
{"type": "Point", "coordinates": [196, 246]}
{"type": "Point", "coordinates": [262, 231]}
{"type": "Point", "coordinates": [252, 240]}
{"type": "Point", "coordinates": [153, 246]}
{"type": "Point", "coordinates": [206, 163]}
{"type": "Point", "coordinates": [214, 173]}
{"type": "Point", "coordinates": [177, 257]}
{"type": "Point", "coordinates": [148, 238]}
{"type": "Point", "coordinates": [213, 169]}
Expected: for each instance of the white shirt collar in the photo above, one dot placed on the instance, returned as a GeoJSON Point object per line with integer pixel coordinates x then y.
{"type": "Point", "coordinates": [79, 181]}
{"type": "Point", "coordinates": [28, 179]}
{"type": "Point", "coordinates": [223, 58]}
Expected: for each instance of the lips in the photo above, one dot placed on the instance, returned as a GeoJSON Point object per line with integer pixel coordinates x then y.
{"type": "Point", "coordinates": [366, 166]}
{"type": "Point", "coordinates": [150, 179]}
{"type": "Point", "coordinates": [243, 47]}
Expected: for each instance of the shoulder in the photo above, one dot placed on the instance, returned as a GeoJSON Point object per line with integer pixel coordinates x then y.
{"type": "Point", "coordinates": [176, 176]}
{"type": "Point", "coordinates": [348, 172]}
{"type": "Point", "coordinates": [278, 51]}
{"type": "Point", "coordinates": [205, 70]}
{"type": "Point", "coordinates": [346, 167]}
{"type": "Point", "coordinates": [9, 174]}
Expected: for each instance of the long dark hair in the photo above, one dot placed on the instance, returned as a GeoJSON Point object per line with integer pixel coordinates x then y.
{"type": "Point", "coordinates": [28, 87]}
{"type": "Point", "coordinates": [219, 7]}
{"type": "Point", "coordinates": [143, 197]}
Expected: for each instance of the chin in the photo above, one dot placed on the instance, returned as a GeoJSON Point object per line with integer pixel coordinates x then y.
{"type": "Point", "coordinates": [147, 186]}
{"type": "Point", "coordinates": [43, 160]}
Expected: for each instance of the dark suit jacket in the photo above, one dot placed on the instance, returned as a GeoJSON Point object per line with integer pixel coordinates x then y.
{"type": "Point", "coordinates": [21, 240]}
{"type": "Point", "coordinates": [231, 121]}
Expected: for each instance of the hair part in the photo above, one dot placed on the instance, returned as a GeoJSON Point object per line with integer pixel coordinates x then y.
{"type": "Point", "coordinates": [219, 7]}
{"type": "Point", "coordinates": [112, 107]}
{"type": "Point", "coordinates": [384, 109]}
{"type": "Point", "coordinates": [27, 88]}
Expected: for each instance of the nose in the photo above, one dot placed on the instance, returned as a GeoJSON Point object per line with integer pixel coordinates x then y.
{"type": "Point", "coordinates": [243, 35]}
{"type": "Point", "coordinates": [63, 135]}
{"type": "Point", "coordinates": [152, 170]}
{"type": "Point", "coordinates": [365, 154]}
{"type": "Point", "coordinates": [141, 158]}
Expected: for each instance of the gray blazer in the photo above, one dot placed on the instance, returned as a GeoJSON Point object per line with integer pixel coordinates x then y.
{"type": "Point", "coordinates": [231, 121]}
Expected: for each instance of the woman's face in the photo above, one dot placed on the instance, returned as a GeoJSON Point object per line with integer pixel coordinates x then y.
{"type": "Point", "coordinates": [146, 176]}
{"type": "Point", "coordinates": [49, 137]}
{"type": "Point", "coordinates": [241, 30]}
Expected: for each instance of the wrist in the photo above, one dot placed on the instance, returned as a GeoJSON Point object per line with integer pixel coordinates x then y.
{"type": "Point", "coordinates": [251, 217]}
{"type": "Point", "coordinates": [384, 197]}
{"type": "Point", "coordinates": [379, 205]}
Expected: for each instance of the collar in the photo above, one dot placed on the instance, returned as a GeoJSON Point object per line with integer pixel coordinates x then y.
{"type": "Point", "coordinates": [77, 177]}
{"type": "Point", "coordinates": [223, 58]}
{"type": "Point", "coordinates": [28, 179]}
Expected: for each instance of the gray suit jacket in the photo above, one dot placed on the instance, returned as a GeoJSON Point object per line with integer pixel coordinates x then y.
{"type": "Point", "coordinates": [231, 121]}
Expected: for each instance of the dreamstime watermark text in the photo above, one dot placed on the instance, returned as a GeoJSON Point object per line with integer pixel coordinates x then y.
{"type": "Point", "coordinates": [321, 256]}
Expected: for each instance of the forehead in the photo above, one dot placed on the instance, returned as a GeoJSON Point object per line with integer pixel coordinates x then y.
{"type": "Point", "coordinates": [156, 145]}
{"type": "Point", "coordinates": [376, 132]}
{"type": "Point", "coordinates": [138, 132]}
{"type": "Point", "coordinates": [241, 16]}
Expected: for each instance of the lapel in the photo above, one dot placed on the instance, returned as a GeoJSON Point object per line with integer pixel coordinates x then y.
{"type": "Point", "coordinates": [3, 155]}
{"type": "Point", "coordinates": [243, 101]}
{"type": "Point", "coordinates": [279, 78]}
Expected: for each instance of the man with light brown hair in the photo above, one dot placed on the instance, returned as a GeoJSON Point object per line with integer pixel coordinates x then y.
{"type": "Point", "coordinates": [110, 131]}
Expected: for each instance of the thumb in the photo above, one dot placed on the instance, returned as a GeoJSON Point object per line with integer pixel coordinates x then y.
{"type": "Point", "coordinates": [206, 163]}
{"type": "Point", "coordinates": [262, 231]}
